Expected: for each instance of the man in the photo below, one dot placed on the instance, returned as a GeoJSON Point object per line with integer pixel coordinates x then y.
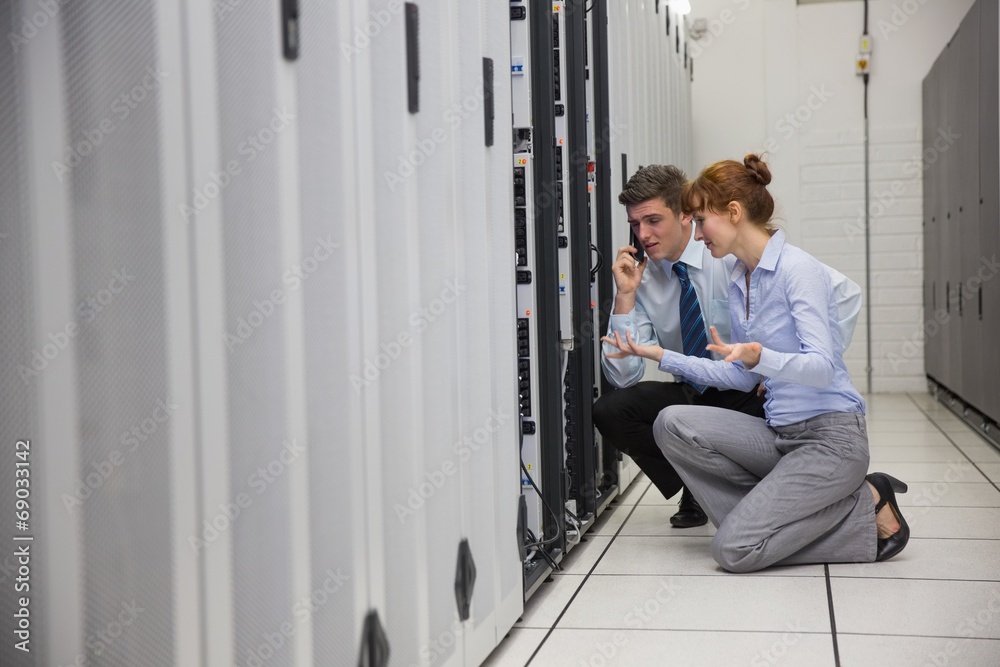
{"type": "Point", "coordinates": [671, 298]}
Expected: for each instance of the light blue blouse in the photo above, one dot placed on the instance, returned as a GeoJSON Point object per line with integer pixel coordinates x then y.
{"type": "Point", "coordinates": [792, 313]}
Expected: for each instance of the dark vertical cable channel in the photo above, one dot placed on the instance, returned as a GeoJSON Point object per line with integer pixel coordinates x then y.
{"type": "Point", "coordinates": [580, 256]}
{"type": "Point", "coordinates": [546, 279]}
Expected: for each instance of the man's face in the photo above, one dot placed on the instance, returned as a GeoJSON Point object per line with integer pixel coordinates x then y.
{"type": "Point", "coordinates": [663, 234]}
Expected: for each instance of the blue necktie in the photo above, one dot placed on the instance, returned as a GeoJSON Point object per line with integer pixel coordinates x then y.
{"type": "Point", "coordinates": [692, 323]}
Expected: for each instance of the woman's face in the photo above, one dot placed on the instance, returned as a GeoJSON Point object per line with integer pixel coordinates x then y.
{"type": "Point", "coordinates": [716, 230]}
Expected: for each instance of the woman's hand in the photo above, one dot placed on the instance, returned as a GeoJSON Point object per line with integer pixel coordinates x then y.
{"type": "Point", "coordinates": [629, 348]}
{"type": "Point", "coordinates": [748, 353]}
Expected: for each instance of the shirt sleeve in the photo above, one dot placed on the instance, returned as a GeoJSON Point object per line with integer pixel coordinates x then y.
{"type": "Point", "coordinates": [848, 296]}
{"type": "Point", "coordinates": [701, 370]}
{"type": "Point", "coordinates": [627, 371]}
{"type": "Point", "coordinates": [808, 291]}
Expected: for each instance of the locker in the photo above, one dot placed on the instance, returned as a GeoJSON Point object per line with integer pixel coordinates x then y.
{"type": "Point", "coordinates": [961, 212]}
{"type": "Point", "coordinates": [967, 150]}
{"type": "Point", "coordinates": [950, 242]}
{"type": "Point", "coordinates": [932, 224]}
{"type": "Point", "coordinates": [989, 216]}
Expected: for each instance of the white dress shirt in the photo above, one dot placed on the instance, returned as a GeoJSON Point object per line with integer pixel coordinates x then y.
{"type": "Point", "coordinates": [655, 317]}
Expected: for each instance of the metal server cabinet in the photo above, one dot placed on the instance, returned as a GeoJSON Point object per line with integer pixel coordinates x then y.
{"type": "Point", "coordinates": [951, 170]}
{"type": "Point", "coordinates": [961, 232]}
{"type": "Point", "coordinates": [500, 239]}
{"type": "Point", "coordinates": [263, 371]}
{"type": "Point", "coordinates": [429, 130]}
{"type": "Point", "coordinates": [619, 103]}
{"type": "Point", "coordinates": [536, 215]}
{"type": "Point", "coordinates": [275, 276]}
{"type": "Point", "coordinates": [334, 94]}
{"type": "Point", "coordinates": [485, 241]}
{"type": "Point", "coordinates": [21, 406]}
{"type": "Point", "coordinates": [989, 178]}
{"type": "Point", "coordinates": [39, 390]}
{"type": "Point", "coordinates": [970, 253]}
{"type": "Point", "coordinates": [226, 244]}
{"type": "Point", "coordinates": [600, 137]}
{"type": "Point", "coordinates": [932, 233]}
{"type": "Point", "coordinates": [108, 400]}
{"type": "Point", "coordinates": [415, 301]}
{"type": "Point", "coordinates": [645, 52]}
{"type": "Point", "coordinates": [578, 396]}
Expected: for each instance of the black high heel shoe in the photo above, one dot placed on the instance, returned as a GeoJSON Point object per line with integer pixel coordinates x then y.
{"type": "Point", "coordinates": [887, 487]}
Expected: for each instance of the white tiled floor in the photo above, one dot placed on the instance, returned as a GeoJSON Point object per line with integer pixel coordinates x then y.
{"type": "Point", "coordinates": [639, 592]}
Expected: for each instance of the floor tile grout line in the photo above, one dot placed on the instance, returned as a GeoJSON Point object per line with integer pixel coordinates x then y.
{"type": "Point", "coordinates": [833, 616]}
{"type": "Point", "coordinates": [789, 576]}
{"type": "Point", "coordinates": [715, 575]}
{"type": "Point", "coordinates": [879, 634]}
{"type": "Point", "coordinates": [948, 579]}
{"type": "Point", "coordinates": [813, 633]}
{"type": "Point", "coordinates": [945, 433]}
{"type": "Point", "coordinates": [777, 631]}
{"type": "Point", "coordinates": [586, 577]}
{"type": "Point", "coordinates": [914, 537]}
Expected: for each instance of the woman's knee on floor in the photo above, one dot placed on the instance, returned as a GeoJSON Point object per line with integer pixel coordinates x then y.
{"type": "Point", "coordinates": [733, 557]}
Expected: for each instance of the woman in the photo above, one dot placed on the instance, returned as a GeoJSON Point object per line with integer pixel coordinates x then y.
{"type": "Point", "coordinates": [790, 488]}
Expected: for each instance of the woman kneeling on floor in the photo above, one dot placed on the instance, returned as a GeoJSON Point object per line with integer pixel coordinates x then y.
{"type": "Point", "coordinates": [790, 488]}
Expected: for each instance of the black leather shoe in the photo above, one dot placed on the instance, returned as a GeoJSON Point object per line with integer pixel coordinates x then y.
{"type": "Point", "coordinates": [689, 514]}
{"type": "Point", "coordinates": [887, 487]}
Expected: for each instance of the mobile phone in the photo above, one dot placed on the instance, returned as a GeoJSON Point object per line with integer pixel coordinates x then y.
{"type": "Point", "coordinates": [640, 253]}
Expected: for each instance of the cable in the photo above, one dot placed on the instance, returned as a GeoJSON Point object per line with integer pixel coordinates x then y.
{"type": "Point", "coordinates": [600, 260]}
{"type": "Point", "coordinates": [577, 525]}
{"type": "Point", "coordinates": [555, 517]}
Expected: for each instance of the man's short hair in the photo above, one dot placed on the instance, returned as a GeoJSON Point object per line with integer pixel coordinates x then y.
{"type": "Point", "coordinates": [663, 181]}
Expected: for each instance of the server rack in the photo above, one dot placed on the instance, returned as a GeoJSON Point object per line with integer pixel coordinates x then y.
{"type": "Point", "coordinates": [579, 394]}
{"type": "Point", "coordinates": [600, 131]}
{"type": "Point", "coordinates": [314, 383]}
{"type": "Point", "coordinates": [539, 309]}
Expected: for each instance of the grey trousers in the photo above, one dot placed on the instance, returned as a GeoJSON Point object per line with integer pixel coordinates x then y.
{"type": "Point", "coordinates": [784, 495]}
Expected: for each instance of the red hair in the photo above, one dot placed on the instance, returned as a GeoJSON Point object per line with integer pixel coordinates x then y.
{"type": "Point", "coordinates": [729, 181]}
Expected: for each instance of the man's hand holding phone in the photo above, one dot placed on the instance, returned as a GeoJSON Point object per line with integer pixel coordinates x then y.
{"type": "Point", "coordinates": [628, 277]}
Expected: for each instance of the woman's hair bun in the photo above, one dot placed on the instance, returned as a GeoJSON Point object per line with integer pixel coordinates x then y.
{"type": "Point", "coordinates": [758, 168]}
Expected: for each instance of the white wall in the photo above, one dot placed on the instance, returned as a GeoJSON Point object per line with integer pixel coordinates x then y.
{"type": "Point", "coordinates": [773, 75]}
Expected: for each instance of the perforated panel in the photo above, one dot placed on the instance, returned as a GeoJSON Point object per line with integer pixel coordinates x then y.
{"type": "Point", "coordinates": [250, 117]}
{"type": "Point", "coordinates": [329, 206]}
{"type": "Point", "coordinates": [17, 415]}
{"type": "Point", "coordinates": [111, 69]}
